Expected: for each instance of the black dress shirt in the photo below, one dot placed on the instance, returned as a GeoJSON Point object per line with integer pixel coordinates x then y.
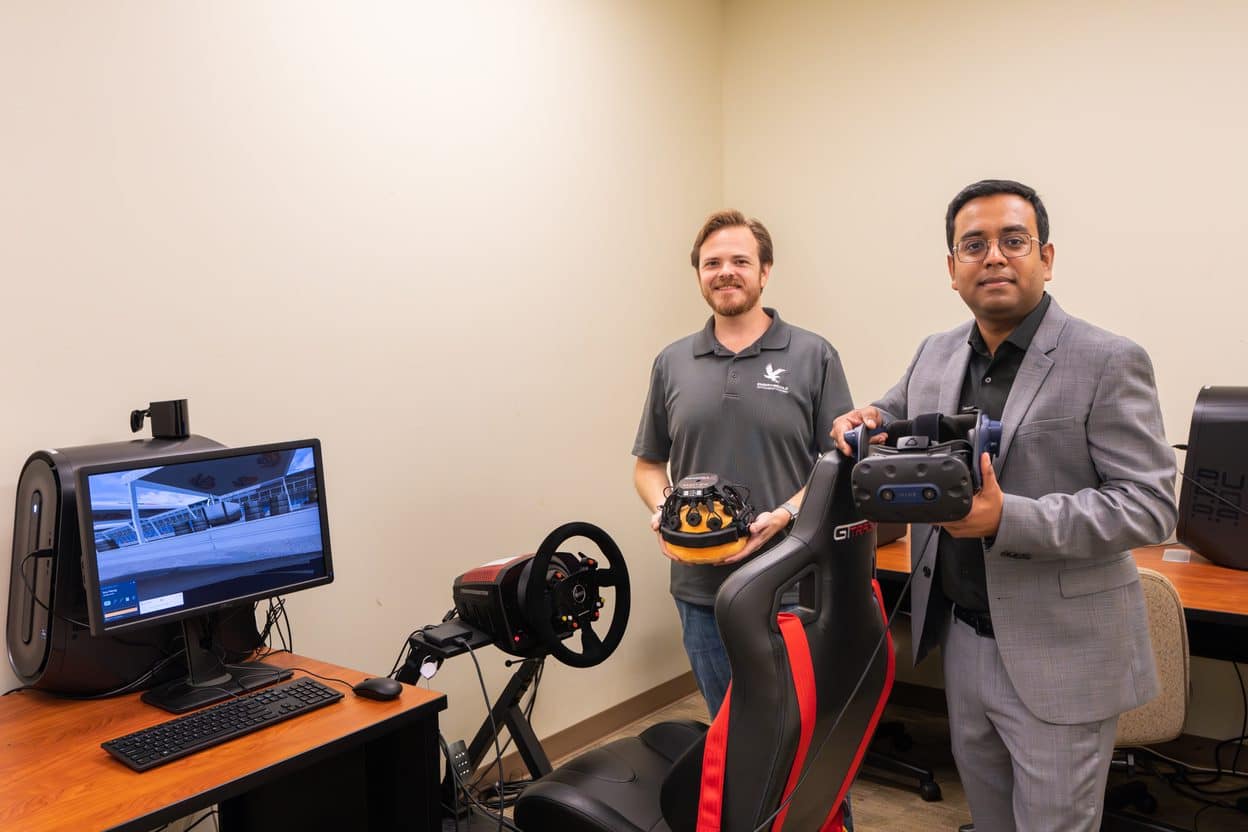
{"type": "Point", "coordinates": [986, 386]}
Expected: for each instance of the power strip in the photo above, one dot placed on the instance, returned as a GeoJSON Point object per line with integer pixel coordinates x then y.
{"type": "Point", "coordinates": [459, 760]}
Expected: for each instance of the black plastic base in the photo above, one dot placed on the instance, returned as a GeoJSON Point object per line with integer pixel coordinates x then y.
{"type": "Point", "coordinates": [180, 696]}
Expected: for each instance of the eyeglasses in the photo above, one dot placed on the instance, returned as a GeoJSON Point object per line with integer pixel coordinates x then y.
{"type": "Point", "coordinates": [976, 249]}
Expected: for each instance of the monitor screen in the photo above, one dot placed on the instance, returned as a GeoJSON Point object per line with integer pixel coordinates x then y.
{"type": "Point", "coordinates": [167, 538]}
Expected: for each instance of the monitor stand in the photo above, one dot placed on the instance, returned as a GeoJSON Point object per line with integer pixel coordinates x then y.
{"type": "Point", "coordinates": [209, 679]}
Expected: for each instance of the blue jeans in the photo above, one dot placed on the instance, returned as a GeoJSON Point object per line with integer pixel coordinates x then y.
{"type": "Point", "coordinates": [709, 661]}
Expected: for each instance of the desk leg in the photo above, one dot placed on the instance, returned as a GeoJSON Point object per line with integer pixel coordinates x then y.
{"type": "Point", "coordinates": [392, 781]}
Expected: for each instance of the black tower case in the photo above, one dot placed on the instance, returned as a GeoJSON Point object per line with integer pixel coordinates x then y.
{"type": "Point", "coordinates": [50, 645]}
{"type": "Point", "coordinates": [1212, 500]}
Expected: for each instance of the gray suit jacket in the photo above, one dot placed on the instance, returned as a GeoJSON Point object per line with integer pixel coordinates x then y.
{"type": "Point", "coordinates": [1087, 475]}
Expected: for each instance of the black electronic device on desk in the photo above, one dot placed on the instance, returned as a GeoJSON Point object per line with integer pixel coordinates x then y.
{"type": "Point", "coordinates": [1213, 500]}
{"type": "Point", "coordinates": [177, 539]}
{"type": "Point", "coordinates": [928, 470]}
{"type": "Point", "coordinates": [209, 727]}
{"type": "Point", "coordinates": [50, 643]}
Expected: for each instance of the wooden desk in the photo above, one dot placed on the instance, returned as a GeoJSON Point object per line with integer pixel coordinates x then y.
{"type": "Point", "coordinates": [1215, 598]}
{"type": "Point", "coordinates": [892, 560]}
{"type": "Point", "coordinates": [349, 762]}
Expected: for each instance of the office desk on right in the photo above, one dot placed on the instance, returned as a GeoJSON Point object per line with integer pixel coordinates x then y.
{"type": "Point", "coordinates": [1215, 598]}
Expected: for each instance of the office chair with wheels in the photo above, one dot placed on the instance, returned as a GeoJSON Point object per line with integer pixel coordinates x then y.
{"type": "Point", "coordinates": [888, 763]}
{"type": "Point", "coordinates": [807, 691]}
{"type": "Point", "coordinates": [1158, 720]}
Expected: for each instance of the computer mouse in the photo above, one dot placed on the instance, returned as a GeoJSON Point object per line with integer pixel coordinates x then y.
{"type": "Point", "coordinates": [379, 687]}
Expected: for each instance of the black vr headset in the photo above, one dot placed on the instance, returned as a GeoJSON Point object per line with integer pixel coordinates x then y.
{"type": "Point", "coordinates": [927, 470]}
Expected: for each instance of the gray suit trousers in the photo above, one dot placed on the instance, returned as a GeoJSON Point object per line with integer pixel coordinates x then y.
{"type": "Point", "coordinates": [1019, 772]}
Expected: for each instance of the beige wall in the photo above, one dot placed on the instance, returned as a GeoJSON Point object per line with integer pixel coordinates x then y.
{"type": "Point", "coordinates": [447, 239]}
{"type": "Point", "coordinates": [849, 126]}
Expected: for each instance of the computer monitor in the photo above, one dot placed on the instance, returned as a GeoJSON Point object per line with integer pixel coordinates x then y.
{"type": "Point", "coordinates": [180, 538]}
{"type": "Point", "coordinates": [1213, 500]}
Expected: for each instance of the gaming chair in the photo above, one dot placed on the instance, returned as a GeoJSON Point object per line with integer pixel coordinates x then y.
{"type": "Point", "coordinates": [793, 676]}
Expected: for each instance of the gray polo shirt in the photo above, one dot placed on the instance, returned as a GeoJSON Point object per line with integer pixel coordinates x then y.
{"type": "Point", "coordinates": [759, 417]}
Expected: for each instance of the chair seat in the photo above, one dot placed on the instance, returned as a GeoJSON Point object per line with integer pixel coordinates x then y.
{"type": "Point", "coordinates": [613, 788]}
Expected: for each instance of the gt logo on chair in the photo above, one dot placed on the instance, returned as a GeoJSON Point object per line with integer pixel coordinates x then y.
{"type": "Point", "coordinates": [852, 530]}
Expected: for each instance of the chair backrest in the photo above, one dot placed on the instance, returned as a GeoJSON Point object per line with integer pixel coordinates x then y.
{"type": "Point", "coordinates": [1161, 719]}
{"type": "Point", "coordinates": [831, 555]}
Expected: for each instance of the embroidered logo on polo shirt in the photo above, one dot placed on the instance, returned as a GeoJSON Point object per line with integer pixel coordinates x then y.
{"type": "Point", "coordinates": [772, 374]}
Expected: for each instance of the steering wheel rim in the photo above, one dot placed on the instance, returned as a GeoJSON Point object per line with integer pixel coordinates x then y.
{"type": "Point", "coordinates": [538, 605]}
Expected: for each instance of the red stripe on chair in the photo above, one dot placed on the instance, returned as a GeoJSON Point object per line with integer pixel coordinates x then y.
{"type": "Point", "coordinates": [711, 798]}
{"type": "Point", "coordinates": [803, 670]}
{"type": "Point", "coordinates": [714, 754]}
{"type": "Point", "coordinates": [836, 824]}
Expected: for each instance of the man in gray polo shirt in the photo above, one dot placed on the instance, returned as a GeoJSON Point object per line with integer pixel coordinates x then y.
{"type": "Point", "coordinates": [750, 398]}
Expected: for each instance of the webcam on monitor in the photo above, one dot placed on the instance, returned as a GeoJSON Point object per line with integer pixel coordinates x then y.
{"type": "Point", "coordinates": [170, 419]}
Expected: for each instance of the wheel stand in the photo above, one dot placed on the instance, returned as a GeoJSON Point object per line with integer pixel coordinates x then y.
{"type": "Point", "coordinates": [505, 713]}
{"type": "Point", "coordinates": [508, 713]}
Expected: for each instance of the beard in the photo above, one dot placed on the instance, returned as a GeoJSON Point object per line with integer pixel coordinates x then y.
{"type": "Point", "coordinates": [730, 307]}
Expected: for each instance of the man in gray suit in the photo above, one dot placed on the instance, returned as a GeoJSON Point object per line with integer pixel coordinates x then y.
{"type": "Point", "coordinates": [1034, 596]}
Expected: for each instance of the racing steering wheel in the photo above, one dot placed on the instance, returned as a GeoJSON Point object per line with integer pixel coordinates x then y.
{"type": "Point", "coordinates": [573, 598]}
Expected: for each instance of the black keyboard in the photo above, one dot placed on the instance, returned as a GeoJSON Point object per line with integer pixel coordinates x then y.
{"type": "Point", "coordinates": [185, 735]}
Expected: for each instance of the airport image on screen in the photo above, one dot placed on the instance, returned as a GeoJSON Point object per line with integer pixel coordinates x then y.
{"type": "Point", "coordinates": [183, 538]}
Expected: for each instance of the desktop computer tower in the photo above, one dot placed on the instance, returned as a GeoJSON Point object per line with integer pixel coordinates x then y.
{"type": "Point", "coordinates": [49, 641]}
{"type": "Point", "coordinates": [1213, 498]}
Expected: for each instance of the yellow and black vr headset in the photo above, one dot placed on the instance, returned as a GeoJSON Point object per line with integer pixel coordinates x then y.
{"type": "Point", "coordinates": [705, 520]}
